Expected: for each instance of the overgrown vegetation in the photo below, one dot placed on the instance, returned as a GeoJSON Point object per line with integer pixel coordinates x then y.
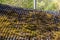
{"type": "Point", "coordinates": [41, 4]}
